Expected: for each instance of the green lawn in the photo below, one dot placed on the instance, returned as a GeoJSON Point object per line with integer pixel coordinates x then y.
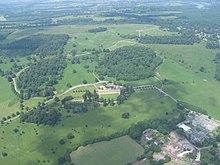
{"type": "Point", "coordinates": [118, 151]}
{"type": "Point", "coordinates": [42, 143]}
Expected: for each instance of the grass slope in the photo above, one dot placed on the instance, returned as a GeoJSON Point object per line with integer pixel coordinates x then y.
{"type": "Point", "coordinates": [188, 83]}
{"type": "Point", "coordinates": [9, 103]}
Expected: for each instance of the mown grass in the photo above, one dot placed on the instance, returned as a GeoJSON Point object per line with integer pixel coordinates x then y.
{"type": "Point", "coordinates": [118, 151]}
{"type": "Point", "coordinates": [33, 143]}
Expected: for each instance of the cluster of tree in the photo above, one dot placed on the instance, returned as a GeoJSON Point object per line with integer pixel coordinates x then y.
{"type": "Point", "coordinates": [90, 101]}
{"type": "Point", "coordinates": [148, 153]}
{"type": "Point", "coordinates": [217, 70]}
{"type": "Point", "coordinates": [75, 107]}
{"type": "Point", "coordinates": [89, 97]}
{"type": "Point", "coordinates": [179, 40]}
{"type": "Point", "coordinates": [97, 30]}
{"type": "Point", "coordinates": [42, 44]}
{"type": "Point", "coordinates": [39, 78]}
{"type": "Point", "coordinates": [213, 45]}
{"type": "Point", "coordinates": [106, 102]}
{"type": "Point", "coordinates": [212, 158]}
{"type": "Point", "coordinates": [129, 63]}
{"type": "Point", "coordinates": [41, 115]}
{"type": "Point", "coordinates": [125, 93]}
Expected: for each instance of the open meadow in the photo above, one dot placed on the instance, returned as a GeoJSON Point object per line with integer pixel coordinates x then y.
{"type": "Point", "coordinates": [118, 151]}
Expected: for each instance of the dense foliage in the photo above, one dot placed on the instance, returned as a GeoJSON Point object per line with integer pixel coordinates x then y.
{"type": "Point", "coordinates": [213, 45]}
{"type": "Point", "coordinates": [129, 63]}
{"type": "Point", "coordinates": [38, 79]}
{"type": "Point", "coordinates": [41, 115]}
{"type": "Point", "coordinates": [179, 40]}
{"type": "Point", "coordinates": [99, 29]}
{"type": "Point", "coordinates": [125, 93]}
{"type": "Point", "coordinates": [217, 71]}
{"type": "Point", "coordinates": [41, 44]}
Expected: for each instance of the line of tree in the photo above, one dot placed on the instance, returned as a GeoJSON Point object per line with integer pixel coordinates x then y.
{"type": "Point", "coordinates": [97, 30]}
{"type": "Point", "coordinates": [179, 40]}
{"type": "Point", "coordinates": [129, 63]}
{"type": "Point", "coordinates": [217, 70]}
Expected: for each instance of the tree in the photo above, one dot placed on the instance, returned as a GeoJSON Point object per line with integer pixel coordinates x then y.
{"type": "Point", "coordinates": [85, 82]}
{"type": "Point", "coordinates": [125, 115]}
{"type": "Point", "coordinates": [4, 154]}
{"type": "Point", "coordinates": [112, 102]}
{"type": "Point", "coordinates": [16, 130]}
{"type": "Point", "coordinates": [105, 103]}
{"type": "Point", "coordinates": [73, 52]}
{"type": "Point", "coordinates": [74, 70]}
{"type": "Point", "coordinates": [70, 136]}
{"type": "Point", "coordinates": [62, 142]}
{"type": "Point", "coordinates": [202, 69]}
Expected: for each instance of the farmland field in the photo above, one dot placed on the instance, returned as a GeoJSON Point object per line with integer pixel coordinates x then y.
{"type": "Point", "coordinates": [118, 151]}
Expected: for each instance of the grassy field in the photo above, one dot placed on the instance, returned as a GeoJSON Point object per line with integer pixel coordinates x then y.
{"type": "Point", "coordinates": [188, 83]}
{"type": "Point", "coordinates": [119, 151]}
{"type": "Point", "coordinates": [76, 78]}
{"type": "Point", "coordinates": [41, 142]}
{"type": "Point", "coordinates": [80, 36]}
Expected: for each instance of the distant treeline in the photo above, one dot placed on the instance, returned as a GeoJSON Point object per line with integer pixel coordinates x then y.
{"type": "Point", "coordinates": [42, 44]}
{"type": "Point", "coordinates": [96, 30]}
{"type": "Point", "coordinates": [179, 40]}
{"type": "Point", "coordinates": [39, 78]}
